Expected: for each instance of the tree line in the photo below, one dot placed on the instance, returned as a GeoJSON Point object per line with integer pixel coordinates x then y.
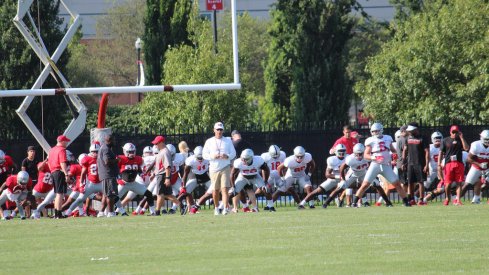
{"type": "Point", "coordinates": [310, 61]}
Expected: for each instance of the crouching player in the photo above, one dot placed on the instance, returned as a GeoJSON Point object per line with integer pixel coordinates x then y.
{"type": "Point", "coordinates": [478, 157]}
{"type": "Point", "coordinates": [273, 158]}
{"type": "Point", "coordinates": [332, 175]}
{"type": "Point", "coordinates": [196, 174]}
{"type": "Point", "coordinates": [15, 190]}
{"type": "Point", "coordinates": [296, 166]}
{"type": "Point", "coordinates": [130, 165]}
{"type": "Point", "coordinates": [245, 175]}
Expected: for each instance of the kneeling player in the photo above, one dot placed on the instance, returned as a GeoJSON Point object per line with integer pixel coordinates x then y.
{"type": "Point", "coordinates": [273, 158]}
{"type": "Point", "coordinates": [15, 190]}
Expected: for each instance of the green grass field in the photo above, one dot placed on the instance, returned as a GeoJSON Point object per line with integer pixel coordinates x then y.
{"type": "Point", "coordinates": [376, 240]}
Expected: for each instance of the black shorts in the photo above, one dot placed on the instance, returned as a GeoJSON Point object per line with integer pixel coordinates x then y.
{"type": "Point", "coordinates": [110, 187]}
{"type": "Point", "coordinates": [59, 181]}
{"type": "Point", "coordinates": [414, 174]}
{"type": "Point", "coordinates": [164, 190]}
{"type": "Point", "coordinates": [202, 179]}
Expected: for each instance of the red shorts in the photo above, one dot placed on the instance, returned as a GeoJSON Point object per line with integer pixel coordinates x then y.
{"type": "Point", "coordinates": [453, 172]}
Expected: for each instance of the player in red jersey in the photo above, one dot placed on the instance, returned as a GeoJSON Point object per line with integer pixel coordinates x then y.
{"type": "Point", "coordinates": [7, 166]}
{"type": "Point", "coordinates": [15, 189]}
{"type": "Point", "coordinates": [130, 165]}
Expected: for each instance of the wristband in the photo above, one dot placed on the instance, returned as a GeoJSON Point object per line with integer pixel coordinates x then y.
{"type": "Point", "coordinates": [167, 178]}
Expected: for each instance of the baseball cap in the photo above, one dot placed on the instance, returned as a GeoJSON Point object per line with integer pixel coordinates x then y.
{"type": "Point", "coordinates": [412, 126]}
{"type": "Point", "coordinates": [403, 128]}
{"type": "Point", "coordinates": [62, 138]}
{"type": "Point", "coordinates": [454, 128]}
{"type": "Point", "coordinates": [218, 125]}
{"type": "Point", "coordinates": [31, 148]}
{"type": "Point", "coordinates": [234, 132]}
{"type": "Point", "coordinates": [158, 139]}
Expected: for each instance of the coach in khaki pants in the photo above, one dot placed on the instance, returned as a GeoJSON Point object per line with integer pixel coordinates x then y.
{"type": "Point", "coordinates": [219, 150]}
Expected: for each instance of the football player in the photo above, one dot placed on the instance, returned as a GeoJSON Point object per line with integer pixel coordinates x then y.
{"type": "Point", "coordinates": [130, 165]}
{"type": "Point", "coordinates": [273, 158]}
{"type": "Point", "coordinates": [14, 189]}
{"type": "Point", "coordinates": [178, 164]}
{"type": "Point", "coordinates": [7, 166]}
{"type": "Point", "coordinates": [145, 177]}
{"type": "Point", "coordinates": [296, 166]}
{"type": "Point", "coordinates": [478, 158]}
{"type": "Point", "coordinates": [43, 187]}
{"type": "Point", "coordinates": [245, 175]}
{"type": "Point", "coordinates": [377, 150]}
{"type": "Point", "coordinates": [332, 175]}
{"type": "Point", "coordinates": [196, 173]}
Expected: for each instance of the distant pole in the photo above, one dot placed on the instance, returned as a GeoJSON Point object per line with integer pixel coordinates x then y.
{"type": "Point", "coordinates": [138, 50]}
{"type": "Point", "coordinates": [214, 18]}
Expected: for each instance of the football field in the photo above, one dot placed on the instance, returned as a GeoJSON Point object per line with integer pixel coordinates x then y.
{"type": "Point", "coordinates": [376, 240]}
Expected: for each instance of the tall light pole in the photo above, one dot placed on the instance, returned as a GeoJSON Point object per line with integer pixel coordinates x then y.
{"type": "Point", "coordinates": [138, 49]}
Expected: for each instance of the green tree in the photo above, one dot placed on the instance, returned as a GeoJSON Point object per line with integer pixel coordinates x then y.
{"type": "Point", "coordinates": [165, 26]}
{"type": "Point", "coordinates": [436, 69]}
{"type": "Point", "coordinates": [305, 74]}
{"type": "Point", "coordinates": [20, 67]}
{"type": "Point", "coordinates": [199, 64]}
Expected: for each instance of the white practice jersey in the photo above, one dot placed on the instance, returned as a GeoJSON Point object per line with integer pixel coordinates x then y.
{"type": "Point", "coordinates": [380, 148]}
{"type": "Point", "coordinates": [478, 149]}
{"type": "Point", "coordinates": [178, 161]}
{"type": "Point", "coordinates": [359, 167]}
{"type": "Point", "coordinates": [273, 163]}
{"type": "Point", "coordinates": [198, 167]}
{"type": "Point", "coordinates": [249, 170]}
{"type": "Point", "coordinates": [434, 151]}
{"type": "Point", "coordinates": [334, 163]}
{"type": "Point", "coordinates": [297, 169]}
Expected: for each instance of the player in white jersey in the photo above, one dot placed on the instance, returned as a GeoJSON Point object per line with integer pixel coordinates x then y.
{"type": "Point", "coordinates": [245, 175]}
{"type": "Point", "coordinates": [432, 179]}
{"type": "Point", "coordinates": [296, 166]}
{"type": "Point", "coordinates": [145, 178]}
{"type": "Point", "coordinates": [273, 158]}
{"type": "Point", "coordinates": [196, 174]}
{"type": "Point", "coordinates": [358, 166]}
{"type": "Point", "coordinates": [377, 149]}
{"type": "Point", "coordinates": [177, 168]}
{"type": "Point", "coordinates": [332, 175]}
{"type": "Point", "coordinates": [478, 158]}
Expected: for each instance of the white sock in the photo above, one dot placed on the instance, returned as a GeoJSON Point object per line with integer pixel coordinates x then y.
{"type": "Point", "coordinates": [13, 214]}
{"type": "Point", "coordinates": [80, 210]}
{"type": "Point", "coordinates": [269, 203]}
{"type": "Point", "coordinates": [245, 205]}
{"type": "Point", "coordinates": [6, 213]}
{"type": "Point", "coordinates": [174, 207]}
{"type": "Point", "coordinates": [220, 205]}
{"type": "Point", "coordinates": [152, 209]}
{"type": "Point", "coordinates": [381, 200]}
{"type": "Point", "coordinates": [476, 198]}
{"type": "Point", "coordinates": [144, 209]}
{"type": "Point", "coordinates": [303, 202]}
{"type": "Point", "coordinates": [138, 209]}
{"type": "Point", "coordinates": [121, 210]}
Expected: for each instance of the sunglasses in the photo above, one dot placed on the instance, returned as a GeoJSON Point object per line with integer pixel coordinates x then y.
{"type": "Point", "coordinates": [220, 130]}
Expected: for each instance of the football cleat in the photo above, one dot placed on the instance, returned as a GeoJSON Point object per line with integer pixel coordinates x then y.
{"type": "Point", "coordinates": [183, 210]}
{"type": "Point", "coordinates": [193, 210]}
{"type": "Point", "coordinates": [217, 212]}
{"type": "Point", "coordinates": [254, 210]}
{"type": "Point", "coordinates": [366, 204]}
{"type": "Point", "coordinates": [266, 208]}
{"type": "Point", "coordinates": [301, 207]}
{"type": "Point", "coordinates": [246, 209]}
{"type": "Point", "coordinates": [272, 209]}
{"type": "Point", "coordinates": [164, 212]}
{"type": "Point", "coordinates": [421, 203]}
{"type": "Point", "coordinates": [412, 202]}
{"type": "Point", "coordinates": [134, 213]}
{"type": "Point", "coordinates": [476, 201]}
{"type": "Point", "coordinates": [457, 202]}
{"type": "Point", "coordinates": [225, 211]}
{"type": "Point", "coordinates": [172, 211]}
{"type": "Point", "coordinates": [22, 218]}
{"type": "Point", "coordinates": [124, 214]}
{"type": "Point", "coordinates": [325, 205]}
{"type": "Point", "coordinates": [389, 205]}
{"type": "Point", "coordinates": [378, 204]}
{"type": "Point", "coordinates": [446, 202]}
{"type": "Point", "coordinates": [312, 207]}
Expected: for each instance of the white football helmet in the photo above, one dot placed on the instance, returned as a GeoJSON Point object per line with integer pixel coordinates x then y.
{"type": "Point", "coordinates": [155, 149]}
{"type": "Point", "coordinates": [377, 128]}
{"type": "Point", "coordinates": [2, 157]}
{"type": "Point", "coordinates": [94, 148]}
{"type": "Point", "coordinates": [397, 135]}
{"type": "Point", "coordinates": [198, 152]}
{"type": "Point", "coordinates": [172, 150]}
{"type": "Point", "coordinates": [436, 137]}
{"type": "Point", "coordinates": [129, 150]}
{"type": "Point", "coordinates": [485, 137]}
{"type": "Point", "coordinates": [340, 150]}
{"type": "Point", "coordinates": [358, 150]}
{"type": "Point", "coordinates": [247, 156]}
{"type": "Point", "coordinates": [69, 156]}
{"type": "Point", "coordinates": [81, 157]}
{"type": "Point", "coordinates": [147, 151]}
{"type": "Point", "coordinates": [22, 178]}
{"type": "Point", "coordinates": [299, 153]}
{"type": "Point", "coordinates": [274, 151]}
